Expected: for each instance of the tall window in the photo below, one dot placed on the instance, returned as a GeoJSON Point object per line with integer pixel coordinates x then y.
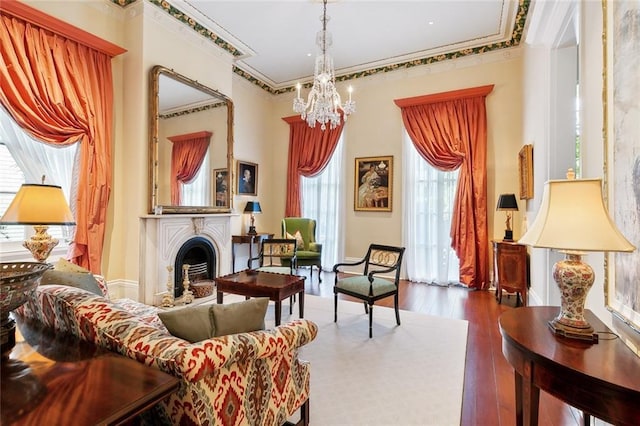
{"type": "Point", "coordinates": [429, 197]}
{"type": "Point", "coordinates": [198, 191]}
{"type": "Point", "coordinates": [25, 160]}
{"type": "Point", "coordinates": [11, 177]}
{"type": "Point", "coordinates": [323, 200]}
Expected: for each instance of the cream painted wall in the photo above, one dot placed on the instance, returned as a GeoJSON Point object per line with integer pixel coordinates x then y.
{"type": "Point", "coordinates": [376, 129]}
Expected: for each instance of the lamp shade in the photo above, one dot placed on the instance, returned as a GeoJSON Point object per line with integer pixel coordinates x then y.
{"type": "Point", "coordinates": [573, 217]}
{"type": "Point", "coordinates": [252, 207]}
{"type": "Point", "coordinates": [36, 204]}
{"type": "Point", "coordinates": [507, 202]}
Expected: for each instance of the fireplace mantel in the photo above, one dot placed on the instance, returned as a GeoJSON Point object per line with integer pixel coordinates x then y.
{"type": "Point", "coordinates": [161, 236]}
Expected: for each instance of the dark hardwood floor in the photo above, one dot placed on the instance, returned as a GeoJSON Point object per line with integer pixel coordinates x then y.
{"type": "Point", "coordinates": [489, 382]}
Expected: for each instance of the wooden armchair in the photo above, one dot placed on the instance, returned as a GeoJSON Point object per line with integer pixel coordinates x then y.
{"type": "Point", "coordinates": [272, 252]}
{"type": "Point", "coordinates": [370, 287]}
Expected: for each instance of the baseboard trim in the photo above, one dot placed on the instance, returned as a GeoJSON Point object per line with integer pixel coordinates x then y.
{"type": "Point", "coordinates": [121, 289]}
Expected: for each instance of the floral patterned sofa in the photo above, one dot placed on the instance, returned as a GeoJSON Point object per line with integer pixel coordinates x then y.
{"type": "Point", "coordinates": [251, 378]}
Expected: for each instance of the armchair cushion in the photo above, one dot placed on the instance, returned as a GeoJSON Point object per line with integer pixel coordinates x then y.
{"type": "Point", "coordinates": [360, 284]}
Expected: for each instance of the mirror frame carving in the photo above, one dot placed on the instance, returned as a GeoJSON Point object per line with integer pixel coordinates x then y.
{"type": "Point", "coordinates": [154, 88]}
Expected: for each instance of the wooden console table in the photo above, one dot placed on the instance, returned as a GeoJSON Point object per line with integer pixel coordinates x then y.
{"type": "Point", "coordinates": [56, 379]}
{"type": "Point", "coordinates": [600, 379]}
{"type": "Point", "coordinates": [246, 239]}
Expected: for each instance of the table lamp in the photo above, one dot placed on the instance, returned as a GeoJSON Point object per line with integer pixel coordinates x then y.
{"type": "Point", "coordinates": [573, 219]}
{"type": "Point", "coordinates": [39, 205]}
{"type": "Point", "coordinates": [252, 207]}
{"type": "Point", "coordinates": [507, 203]}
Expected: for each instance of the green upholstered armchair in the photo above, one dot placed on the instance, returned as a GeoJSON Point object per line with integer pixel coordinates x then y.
{"type": "Point", "coordinates": [309, 252]}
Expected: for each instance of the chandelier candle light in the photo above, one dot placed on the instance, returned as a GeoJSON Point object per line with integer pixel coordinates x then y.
{"type": "Point", "coordinates": [573, 219]}
{"type": "Point", "coordinates": [323, 103]}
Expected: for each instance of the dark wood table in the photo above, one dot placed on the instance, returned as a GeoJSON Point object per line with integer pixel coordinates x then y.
{"type": "Point", "coordinates": [600, 379]}
{"type": "Point", "coordinates": [276, 287]}
{"type": "Point", "coordinates": [57, 379]}
{"type": "Point", "coordinates": [246, 239]}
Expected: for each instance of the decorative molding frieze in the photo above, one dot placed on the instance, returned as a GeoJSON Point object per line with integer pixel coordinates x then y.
{"type": "Point", "coordinates": [179, 17]}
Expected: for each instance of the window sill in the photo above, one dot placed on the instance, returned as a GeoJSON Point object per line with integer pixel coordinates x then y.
{"type": "Point", "coordinates": [21, 254]}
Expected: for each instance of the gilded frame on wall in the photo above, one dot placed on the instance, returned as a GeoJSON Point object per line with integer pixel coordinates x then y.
{"type": "Point", "coordinates": [621, 111]}
{"type": "Point", "coordinates": [247, 178]}
{"type": "Point", "coordinates": [525, 170]}
{"type": "Point", "coordinates": [373, 184]}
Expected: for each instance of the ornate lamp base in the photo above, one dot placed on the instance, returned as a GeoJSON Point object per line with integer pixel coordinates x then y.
{"type": "Point", "coordinates": [574, 279]}
{"type": "Point", "coordinates": [41, 243]}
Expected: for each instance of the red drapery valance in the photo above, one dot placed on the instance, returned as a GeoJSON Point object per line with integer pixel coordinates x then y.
{"type": "Point", "coordinates": [310, 149]}
{"type": "Point", "coordinates": [187, 155]}
{"type": "Point", "coordinates": [61, 92]}
{"type": "Point", "coordinates": [449, 130]}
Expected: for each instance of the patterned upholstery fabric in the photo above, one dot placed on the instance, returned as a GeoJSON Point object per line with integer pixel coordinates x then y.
{"type": "Point", "coordinates": [242, 379]}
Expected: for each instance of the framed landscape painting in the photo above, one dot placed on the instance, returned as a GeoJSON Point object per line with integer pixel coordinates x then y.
{"type": "Point", "coordinates": [373, 184]}
{"type": "Point", "coordinates": [622, 155]}
{"type": "Point", "coordinates": [247, 176]}
{"type": "Point", "coordinates": [221, 187]}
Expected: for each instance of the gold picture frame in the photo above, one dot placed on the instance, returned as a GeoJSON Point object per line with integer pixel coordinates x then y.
{"type": "Point", "coordinates": [246, 178]}
{"type": "Point", "coordinates": [220, 179]}
{"type": "Point", "coordinates": [525, 170]}
{"type": "Point", "coordinates": [373, 189]}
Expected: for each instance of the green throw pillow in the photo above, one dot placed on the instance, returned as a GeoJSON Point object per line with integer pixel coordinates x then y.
{"type": "Point", "coordinates": [81, 280]}
{"type": "Point", "coordinates": [193, 324]}
{"type": "Point", "coordinates": [239, 317]}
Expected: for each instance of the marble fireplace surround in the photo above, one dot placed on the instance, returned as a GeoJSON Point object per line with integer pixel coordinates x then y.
{"type": "Point", "coordinates": [161, 236]}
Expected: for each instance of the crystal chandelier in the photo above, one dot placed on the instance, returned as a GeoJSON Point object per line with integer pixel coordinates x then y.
{"type": "Point", "coordinates": [323, 101]}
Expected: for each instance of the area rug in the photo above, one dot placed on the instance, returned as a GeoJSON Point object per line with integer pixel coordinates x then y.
{"type": "Point", "coordinates": [412, 374]}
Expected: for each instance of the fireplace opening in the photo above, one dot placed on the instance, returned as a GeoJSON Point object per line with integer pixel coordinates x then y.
{"type": "Point", "coordinates": [199, 253]}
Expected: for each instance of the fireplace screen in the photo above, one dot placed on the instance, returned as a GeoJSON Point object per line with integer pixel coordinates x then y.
{"type": "Point", "coordinates": [199, 253]}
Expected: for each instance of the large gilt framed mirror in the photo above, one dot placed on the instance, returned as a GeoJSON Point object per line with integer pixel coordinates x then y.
{"type": "Point", "coordinates": [190, 146]}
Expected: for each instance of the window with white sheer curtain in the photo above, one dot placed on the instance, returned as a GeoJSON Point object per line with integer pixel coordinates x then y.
{"type": "Point", "coordinates": [428, 207]}
{"type": "Point", "coordinates": [323, 200]}
{"type": "Point", "coordinates": [198, 191]}
{"type": "Point", "coordinates": [27, 160]}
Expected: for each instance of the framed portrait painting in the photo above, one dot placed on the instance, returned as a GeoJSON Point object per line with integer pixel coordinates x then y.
{"type": "Point", "coordinates": [221, 187]}
{"type": "Point", "coordinates": [622, 155]}
{"type": "Point", "coordinates": [373, 184]}
{"type": "Point", "coordinates": [247, 178]}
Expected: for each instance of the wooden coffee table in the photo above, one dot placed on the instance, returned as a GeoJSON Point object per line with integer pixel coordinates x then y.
{"type": "Point", "coordinates": [276, 287]}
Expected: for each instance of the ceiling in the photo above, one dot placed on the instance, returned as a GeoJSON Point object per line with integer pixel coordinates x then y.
{"type": "Point", "coordinates": [273, 42]}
